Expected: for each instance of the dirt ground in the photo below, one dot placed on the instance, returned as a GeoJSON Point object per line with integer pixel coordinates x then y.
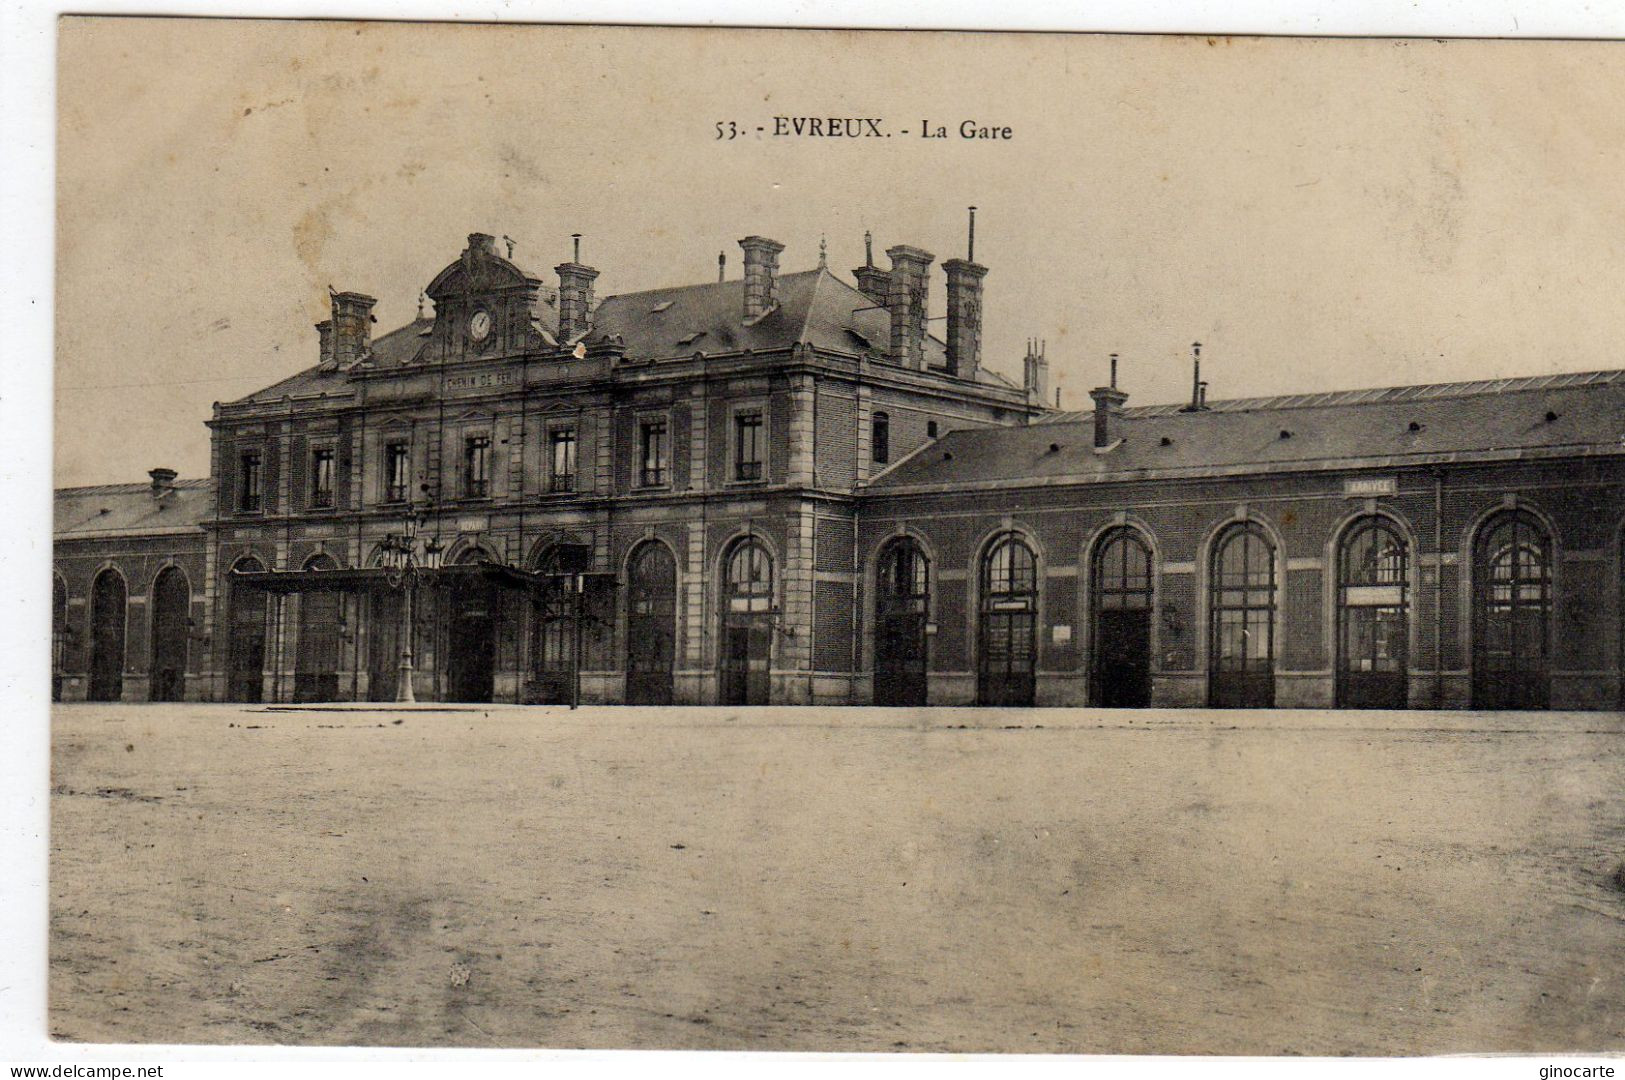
{"type": "Point", "coordinates": [1264, 883]}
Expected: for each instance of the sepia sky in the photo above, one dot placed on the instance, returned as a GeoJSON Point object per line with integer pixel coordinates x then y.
{"type": "Point", "coordinates": [1320, 214]}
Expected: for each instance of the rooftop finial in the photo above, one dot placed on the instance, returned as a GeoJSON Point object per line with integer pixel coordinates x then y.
{"type": "Point", "coordinates": [970, 248]}
{"type": "Point", "coordinates": [577, 238]}
{"type": "Point", "coordinates": [422, 297]}
{"type": "Point", "coordinates": [722, 265]}
{"type": "Point", "coordinates": [506, 239]}
{"type": "Point", "coordinates": [1114, 371]}
{"type": "Point", "coordinates": [868, 248]}
{"type": "Point", "coordinates": [823, 251]}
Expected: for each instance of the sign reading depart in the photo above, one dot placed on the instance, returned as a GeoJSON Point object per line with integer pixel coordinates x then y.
{"type": "Point", "coordinates": [1371, 485]}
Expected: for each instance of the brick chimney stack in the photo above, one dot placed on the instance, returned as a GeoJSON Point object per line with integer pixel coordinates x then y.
{"type": "Point", "coordinates": [163, 481]}
{"type": "Point", "coordinates": [964, 316]}
{"type": "Point", "coordinates": [906, 298]}
{"type": "Point", "coordinates": [873, 282]}
{"type": "Point", "coordinates": [324, 333]}
{"type": "Point", "coordinates": [575, 299]}
{"type": "Point", "coordinates": [352, 327]}
{"type": "Point", "coordinates": [1108, 407]}
{"type": "Point", "coordinates": [761, 275]}
{"type": "Point", "coordinates": [1035, 371]}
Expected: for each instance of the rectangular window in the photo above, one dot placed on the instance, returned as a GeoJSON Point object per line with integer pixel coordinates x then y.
{"type": "Point", "coordinates": [563, 473]}
{"type": "Point", "coordinates": [880, 439]}
{"type": "Point", "coordinates": [397, 471]}
{"type": "Point", "coordinates": [250, 478]}
{"type": "Point", "coordinates": [477, 467]}
{"type": "Point", "coordinates": [653, 472]}
{"type": "Point", "coordinates": [748, 446]}
{"type": "Point", "coordinates": [321, 478]}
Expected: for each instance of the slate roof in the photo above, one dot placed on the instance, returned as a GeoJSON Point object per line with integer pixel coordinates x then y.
{"type": "Point", "coordinates": [1506, 418]}
{"type": "Point", "coordinates": [123, 509]}
{"type": "Point", "coordinates": [814, 306]}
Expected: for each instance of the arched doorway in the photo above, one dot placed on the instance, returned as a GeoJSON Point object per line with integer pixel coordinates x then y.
{"type": "Point", "coordinates": [471, 641]}
{"type": "Point", "coordinates": [245, 647]}
{"type": "Point", "coordinates": [902, 609]}
{"type": "Point", "coordinates": [171, 615]}
{"type": "Point", "coordinates": [747, 624]}
{"type": "Point", "coordinates": [59, 634]}
{"type": "Point", "coordinates": [1122, 600]}
{"type": "Point", "coordinates": [321, 617]}
{"type": "Point", "coordinates": [1007, 658]}
{"type": "Point", "coordinates": [1242, 601]}
{"type": "Point", "coordinates": [1512, 610]}
{"type": "Point", "coordinates": [107, 623]}
{"type": "Point", "coordinates": [553, 643]}
{"type": "Point", "coordinates": [651, 625]}
{"type": "Point", "coordinates": [1373, 617]}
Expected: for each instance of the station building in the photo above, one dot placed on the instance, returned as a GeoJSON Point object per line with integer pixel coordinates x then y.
{"type": "Point", "coordinates": [784, 488]}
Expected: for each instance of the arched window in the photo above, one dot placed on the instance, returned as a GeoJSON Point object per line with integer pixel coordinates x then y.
{"type": "Point", "coordinates": [747, 624]}
{"type": "Point", "coordinates": [1123, 595]}
{"type": "Point", "coordinates": [651, 624]}
{"type": "Point", "coordinates": [1373, 616]}
{"type": "Point", "coordinates": [59, 634]}
{"type": "Point", "coordinates": [108, 598]}
{"type": "Point", "coordinates": [902, 609]}
{"type": "Point", "coordinates": [316, 663]}
{"type": "Point", "coordinates": [245, 649]}
{"type": "Point", "coordinates": [1006, 672]}
{"type": "Point", "coordinates": [1241, 647]}
{"type": "Point", "coordinates": [880, 439]}
{"type": "Point", "coordinates": [1512, 610]}
{"type": "Point", "coordinates": [171, 610]}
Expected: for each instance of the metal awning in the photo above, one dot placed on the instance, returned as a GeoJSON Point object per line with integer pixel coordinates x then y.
{"type": "Point", "coordinates": [372, 578]}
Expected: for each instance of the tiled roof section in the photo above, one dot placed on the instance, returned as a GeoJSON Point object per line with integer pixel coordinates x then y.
{"type": "Point", "coordinates": [115, 509]}
{"type": "Point", "coordinates": [814, 306]}
{"type": "Point", "coordinates": [397, 347]}
{"type": "Point", "coordinates": [1410, 423]}
{"type": "Point", "coordinates": [1361, 397]}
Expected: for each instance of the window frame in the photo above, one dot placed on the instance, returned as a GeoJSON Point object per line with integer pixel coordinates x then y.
{"type": "Point", "coordinates": [472, 441]}
{"type": "Point", "coordinates": [642, 476]}
{"type": "Point", "coordinates": [390, 494]}
{"type": "Point", "coordinates": [315, 493]}
{"type": "Point", "coordinates": [557, 434]}
{"type": "Point", "coordinates": [738, 413]}
{"type": "Point", "coordinates": [880, 437]}
{"type": "Point", "coordinates": [250, 497]}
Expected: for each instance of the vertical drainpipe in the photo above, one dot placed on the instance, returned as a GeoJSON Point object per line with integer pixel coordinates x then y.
{"type": "Point", "coordinates": [1438, 588]}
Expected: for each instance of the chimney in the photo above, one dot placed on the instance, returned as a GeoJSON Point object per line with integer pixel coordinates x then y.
{"type": "Point", "coordinates": [1035, 371]}
{"type": "Point", "coordinates": [163, 481]}
{"type": "Point", "coordinates": [873, 282]}
{"type": "Point", "coordinates": [352, 327]}
{"type": "Point", "coordinates": [761, 275]}
{"type": "Point", "coordinates": [324, 332]}
{"type": "Point", "coordinates": [480, 244]}
{"type": "Point", "coordinates": [575, 295]}
{"type": "Point", "coordinates": [1198, 387]}
{"type": "Point", "coordinates": [1108, 407]}
{"type": "Point", "coordinates": [964, 316]}
{"type": "Point", "coordinates": [906, 297]}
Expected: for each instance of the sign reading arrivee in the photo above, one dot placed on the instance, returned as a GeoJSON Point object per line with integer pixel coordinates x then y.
{"type": "Point", "coordinates": [1371, 485]}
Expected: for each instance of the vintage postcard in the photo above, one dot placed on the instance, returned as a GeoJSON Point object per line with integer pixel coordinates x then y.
{"type": "Point", "coordinates": [656, 538]}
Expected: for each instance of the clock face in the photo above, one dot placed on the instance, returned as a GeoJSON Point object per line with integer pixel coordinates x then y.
{"type": "Point", "coordinates": [479, 327]}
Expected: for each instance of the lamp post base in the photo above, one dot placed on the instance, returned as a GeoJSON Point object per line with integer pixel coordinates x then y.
{"type": "Point", "coordinates": [403, 686]}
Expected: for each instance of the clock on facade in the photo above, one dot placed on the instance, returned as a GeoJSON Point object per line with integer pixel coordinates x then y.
{"type": "Point", "coordinates": [479, 326]}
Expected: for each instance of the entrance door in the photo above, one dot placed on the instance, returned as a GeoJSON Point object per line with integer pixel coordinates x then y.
{"type": "Point", "coordinates": [471, 660]}
{"type": "Point", "coordinates": [1123, 595]}
{"type": "Point", "coordinates": [245, 662]}
{"type": "Point", "coordinates": [107, 619]}
{"type": "Point", "coordinates": [316, 676]}
{"type": "Point", "coordinates": [1512, 608]}
{"type": "Point", "coordinates": [747, 625]}
{"type": "Point", "coordinates": [384, 645]}
{"type": "Point", "coordinates": [1373, 618]}
{"type": "Point", "coordinates": [1007, 658]}
{"type": "Point", "coordinates": [651, 626]}
{"type": "Point", "coordinates": [171, 604]}
{"type": "Point", "coordinates": [902, 602]}
{"type": "Point", "coordinates": [1123, 659]}
{"type": "Point", "coordinates": [746, 647]}
{"type": "Point", "coordinates": [1241, 648]}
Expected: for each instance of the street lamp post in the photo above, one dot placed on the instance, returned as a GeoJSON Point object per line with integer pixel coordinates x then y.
{"type": "Point", "coordinates": [407, 558]}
